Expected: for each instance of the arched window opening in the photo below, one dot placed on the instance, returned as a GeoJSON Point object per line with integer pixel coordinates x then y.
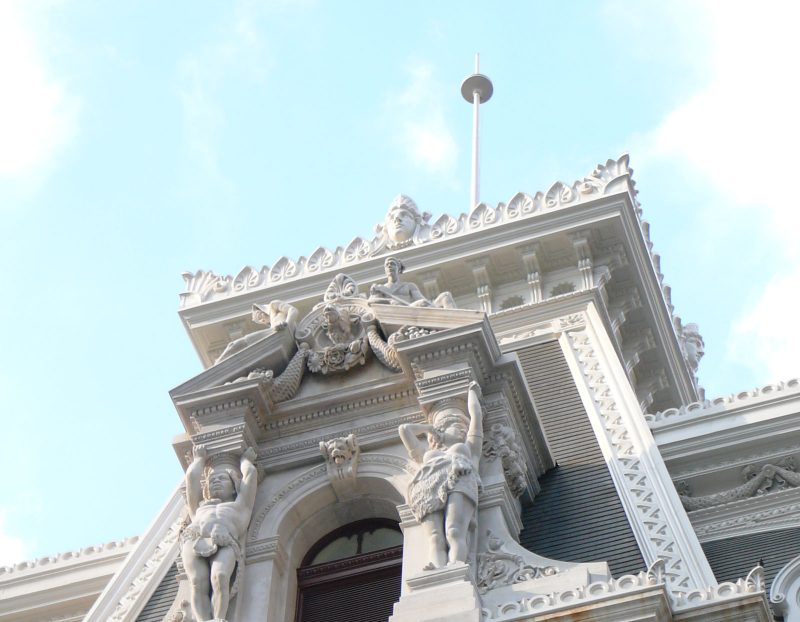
{"type": "Point", "coordinates": [352, 574]}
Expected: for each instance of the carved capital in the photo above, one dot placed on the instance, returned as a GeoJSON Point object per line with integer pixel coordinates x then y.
{"type": "Point", "coordinates": [231, 440]}
{"type": "Point", "coordinates": [436, 391]}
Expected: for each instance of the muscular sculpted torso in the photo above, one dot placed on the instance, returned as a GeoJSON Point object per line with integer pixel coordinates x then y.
{"type": "Point", "coordinates": [397, 292]}
{"type": "Point", "coordinates": [221, 522]}
{"type": "Point", "coordinates": [212, 542]}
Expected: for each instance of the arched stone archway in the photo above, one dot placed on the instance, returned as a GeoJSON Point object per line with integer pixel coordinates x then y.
{"type": "Point", "coordinates": [287, 523]}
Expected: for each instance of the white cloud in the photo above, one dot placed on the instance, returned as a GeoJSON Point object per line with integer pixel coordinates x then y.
{"type": "Point", "coordinates": [743, 129]}
{"type": "Point", "coordinates": [12, 548]}
{"type": "Point", "coordinates": [37, 114]}
{"type": "Point", "coordinates": [767, 333]}
{"type": "Point", "coordinates": [422, 130]}
{"type": "Point", "coordinates": [741, 133]}
{"type": "Point", "coordinates": [202, 75]}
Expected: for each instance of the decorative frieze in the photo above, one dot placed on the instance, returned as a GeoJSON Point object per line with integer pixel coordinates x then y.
{"type": "Point", "coordinates": [380, 429]}
{"type": "Point", "coordinates": [753, 583]}
{"type": "Point", "coordinates": [337, 409]}
{"type": "Point", "coordinates": [780, 510]}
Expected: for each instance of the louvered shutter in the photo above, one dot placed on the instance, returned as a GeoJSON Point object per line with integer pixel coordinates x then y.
{"type": "Point", "coordinates": [578, 515]}
{"type": "Point", "coordinates": [357, 589]}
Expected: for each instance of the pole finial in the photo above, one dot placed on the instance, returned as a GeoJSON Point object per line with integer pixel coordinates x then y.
{"type": "Point", "coordinates": [476, 89]}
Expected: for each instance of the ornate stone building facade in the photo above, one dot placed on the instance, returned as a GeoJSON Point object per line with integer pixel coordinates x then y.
{"type": "Point", "coordinates": [493, 416]}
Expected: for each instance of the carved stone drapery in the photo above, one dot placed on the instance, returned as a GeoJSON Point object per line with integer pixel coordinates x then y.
{"type": "Point", "coordinates": [758, 481]}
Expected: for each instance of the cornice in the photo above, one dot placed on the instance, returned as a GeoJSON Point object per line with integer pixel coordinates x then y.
{"type": "Point", "coordinates": [69, 559]}
{"type": "Point", "coordinates": [778, 510]}
{"type": "Point", "coordinates": [638, 591]}
{"type": "Point", "coordinates": [689, 413]}
{"type": "Point", "coordinates": [745, 427]}
{"type": "Point", "coordinates": [613, 177]}
{"type": "Point", "coordinates": [743, 456]}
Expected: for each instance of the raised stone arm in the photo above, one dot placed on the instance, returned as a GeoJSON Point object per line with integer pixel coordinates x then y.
{"type": "Point", "coordinates": [247, 493]}
{"type": "Point", "coordinates": [475, 434]}
{"type": "Point", "coordinates": [283, 315]}
{"type": "Point", "coordinates": [410, 433]}
{"type": "Point", "coordinates": [194, 479]}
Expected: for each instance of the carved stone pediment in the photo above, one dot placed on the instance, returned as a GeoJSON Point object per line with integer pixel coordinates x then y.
{"type": "Point", "coordinates": [273, 351]}
{"type": "Point", "coordinates": [340, 333]}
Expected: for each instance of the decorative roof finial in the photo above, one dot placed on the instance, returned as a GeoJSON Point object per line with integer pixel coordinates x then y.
{"type": "Point", "coordinates": [476, 89]}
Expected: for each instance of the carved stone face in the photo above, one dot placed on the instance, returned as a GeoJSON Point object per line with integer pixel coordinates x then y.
{"type": "Point", "coordinates": [451, 425]}
{"type": "Point", "coordinates": [330, 314]}
{"type": "Point", "coordinates": [694, 344]}
{"type": "Point", "coordinates": [339, 451]}
{"type": "Point", "coordinates": [401, 222]}
{"type": "Point", "coordinates": [454, 433]}
{"type": "Point", "coordinates": [393, 268]}
{"type": "Point", "coordinates": [220, 486]}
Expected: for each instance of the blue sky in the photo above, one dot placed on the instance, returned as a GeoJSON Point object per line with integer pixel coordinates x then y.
{"type": "Point", "coordinates": [142, 139]}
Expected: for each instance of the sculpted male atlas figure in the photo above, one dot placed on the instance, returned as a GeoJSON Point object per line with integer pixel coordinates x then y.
{"type": "Point", "coordinates": [212, 543]}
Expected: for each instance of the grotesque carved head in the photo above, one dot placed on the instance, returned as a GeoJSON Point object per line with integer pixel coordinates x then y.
{"type": "Point", "coordinates": [402, 220]}
{"type": "Point", "coordinates": [339, 451]}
